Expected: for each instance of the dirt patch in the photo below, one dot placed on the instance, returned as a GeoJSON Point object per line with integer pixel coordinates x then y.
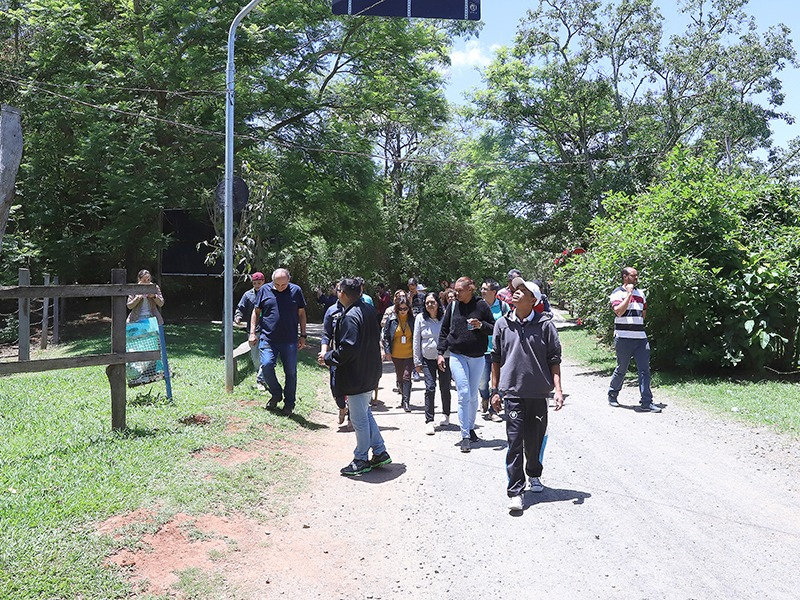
{"type": "Point", "coordinates": [117, 525]}
{"type": "Point", "coordinates": [195, 420]}
{"type": "Point", "coordinates": [183, 543]}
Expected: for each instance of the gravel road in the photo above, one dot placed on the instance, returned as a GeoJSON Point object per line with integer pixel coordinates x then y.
{"type": "Point", "coordinates": [677, 505]}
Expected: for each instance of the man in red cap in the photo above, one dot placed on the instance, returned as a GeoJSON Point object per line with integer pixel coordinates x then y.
{"type": "Point", "coordinates": [241, 317]}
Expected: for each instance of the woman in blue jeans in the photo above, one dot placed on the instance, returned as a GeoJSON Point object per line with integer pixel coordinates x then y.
{"type": "Point", "coordinates": [427, 326]}
{"type": "Point", "coordinates": [467, 324]}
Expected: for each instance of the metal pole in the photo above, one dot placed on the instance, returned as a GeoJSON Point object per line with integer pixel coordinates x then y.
{"type": "Point", "coordinates": [227, 317]}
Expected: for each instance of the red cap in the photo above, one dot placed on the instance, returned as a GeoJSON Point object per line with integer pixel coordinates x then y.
{"type": "Point", "coordinates": [258, 275]}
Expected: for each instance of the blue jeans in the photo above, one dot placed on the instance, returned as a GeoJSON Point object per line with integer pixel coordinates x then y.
{"type": "Point", "coordinates": [466, 372]}
{"type": "Point", "coordinates": [270, 351]}
{"type": "Point", "coordinates": [638, 350]}
{"type": "Point", "coordinates": [483, 386]}
{"type": "Point", "coordinates": [367, 433]}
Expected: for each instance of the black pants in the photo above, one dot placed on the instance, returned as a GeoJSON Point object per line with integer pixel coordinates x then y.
{"type": "Point", "coordinates": [430, 369]}
{"type": "Point", "coordinates": [526, 424]}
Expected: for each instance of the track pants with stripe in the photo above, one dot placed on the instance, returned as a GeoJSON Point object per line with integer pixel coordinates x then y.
{"type": "Point", "coordinates": [526, 425]}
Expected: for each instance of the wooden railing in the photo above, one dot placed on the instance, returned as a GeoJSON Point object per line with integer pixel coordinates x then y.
{"type": "Point", "coordinates": [118, 290]}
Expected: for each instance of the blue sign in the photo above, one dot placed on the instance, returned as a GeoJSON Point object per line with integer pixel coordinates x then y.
{"type": "Point", "coordinates": [467, 10]}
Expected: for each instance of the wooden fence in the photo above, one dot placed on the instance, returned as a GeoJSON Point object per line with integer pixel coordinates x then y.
{"type": "Point", "coordinates": [118, 290]}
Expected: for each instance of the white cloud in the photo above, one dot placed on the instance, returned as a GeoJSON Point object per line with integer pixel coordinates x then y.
{"type": "Point", "coordinates": [472, 55]}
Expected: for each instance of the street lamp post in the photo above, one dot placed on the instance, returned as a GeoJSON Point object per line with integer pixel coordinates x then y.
{"type": "Point", "coordinates": [227, 317]}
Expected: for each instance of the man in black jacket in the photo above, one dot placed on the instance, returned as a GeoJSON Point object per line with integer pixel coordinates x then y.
{"type": "Point", "coordinates": [357, 357]}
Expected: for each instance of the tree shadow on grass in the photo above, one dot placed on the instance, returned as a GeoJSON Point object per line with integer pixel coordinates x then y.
{"type": "Point", "coordinates": [183, 339]}
{"type": "Point", "coordinates": [306, 424]}
{"type": "Point", "coordinates": [101, 440]}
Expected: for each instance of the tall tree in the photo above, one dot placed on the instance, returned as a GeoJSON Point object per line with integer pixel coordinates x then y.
{"type": "Point", "coordinates": [124, 105]}
{"type": "Point", "coordinates": [592, 98]}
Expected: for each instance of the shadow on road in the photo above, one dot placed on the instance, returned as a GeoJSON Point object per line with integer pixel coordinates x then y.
{"type": "Point", "coordinates": [382, 474]}
{"type": "Point", "coordinates": [555, 495]}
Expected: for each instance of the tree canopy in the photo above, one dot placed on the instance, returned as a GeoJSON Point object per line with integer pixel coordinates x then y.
{"type": "Point", "coordinates": [355, 161]}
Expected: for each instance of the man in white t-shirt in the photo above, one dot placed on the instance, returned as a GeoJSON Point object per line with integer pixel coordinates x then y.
{"type": "Point", "coordinates": [630, 339]}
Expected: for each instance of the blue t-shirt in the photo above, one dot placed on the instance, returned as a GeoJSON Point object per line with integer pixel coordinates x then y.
{"type": "Point", "coordinates": [499, 309]}
{"type": "Point", "coordinates": [279, 318]}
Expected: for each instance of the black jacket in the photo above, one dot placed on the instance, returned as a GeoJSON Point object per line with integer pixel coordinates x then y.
{"type": "Point", "coordinates": [357, 353]}
{"type": "Point", "coordinates": [456, 337]}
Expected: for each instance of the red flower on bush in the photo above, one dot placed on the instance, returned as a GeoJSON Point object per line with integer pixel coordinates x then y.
{"type": "Point", "coordinates": [566, 254]}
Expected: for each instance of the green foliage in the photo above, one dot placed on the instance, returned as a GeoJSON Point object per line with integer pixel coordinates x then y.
{"type": "Point", "coordinates": [718, 257]}
{"type": "Point", "coordinates": [124, 109]}
{"type": "Point", "coordinates": [593, 95]}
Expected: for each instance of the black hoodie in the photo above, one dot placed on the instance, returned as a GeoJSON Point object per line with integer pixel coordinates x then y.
{"type": "Point", "coordinates": [456, 337]}
{"type": "Point", "coordinates": [356, 353]}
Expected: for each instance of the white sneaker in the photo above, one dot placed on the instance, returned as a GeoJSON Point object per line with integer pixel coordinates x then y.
{"type": "Point", "coordinates": [261, 387]}
{"type": "Point", "coordinates": [515, 503]}
{"type": "Point", "coordinates": [446, 420]}
{"type": "Point", "coordinates": [430, 428]}
{"type": "Point", "coordinates": [535, 485]}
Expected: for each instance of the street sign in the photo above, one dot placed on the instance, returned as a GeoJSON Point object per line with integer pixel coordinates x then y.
{"type": "Point", "coordinates": [468, 10]}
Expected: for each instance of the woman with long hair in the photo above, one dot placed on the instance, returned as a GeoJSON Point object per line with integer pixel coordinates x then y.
{"type": "Point", "coordinates": [397, 345]}
{"type": "Point", "coordinates": [396, 297]}
{"type": "Point", "coordinates": [427, 326]}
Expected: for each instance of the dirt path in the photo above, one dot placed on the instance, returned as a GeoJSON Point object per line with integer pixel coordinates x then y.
{"type": "Point", "coordinates": [674, 505]}
{"type": "Point", "coordinates": [670, 505]}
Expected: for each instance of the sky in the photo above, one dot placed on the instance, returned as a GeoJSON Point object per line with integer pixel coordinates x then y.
{"type": "Point", "coordinates": [501, 17]}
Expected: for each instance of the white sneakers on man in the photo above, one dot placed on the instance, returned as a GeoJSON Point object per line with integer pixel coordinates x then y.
{"type": "Point", "coordinates": [515, 503]}
{"type": "Point", "coordinates": [430, 428]}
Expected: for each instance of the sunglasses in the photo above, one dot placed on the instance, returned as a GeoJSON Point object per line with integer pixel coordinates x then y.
{"type": "Point", "coordinates": [403, 310]}
{"type": "Point", "coordinates": [430, 303]}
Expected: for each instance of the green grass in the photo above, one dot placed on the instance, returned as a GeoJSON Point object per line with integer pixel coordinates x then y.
{"type": "Point", "coordinates": [62, 470]}
{"type": "Point", "coordinates": [757, 401]}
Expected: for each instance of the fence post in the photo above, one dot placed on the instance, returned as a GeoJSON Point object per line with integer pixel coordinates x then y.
{"type": "Point", "coordinates": [56, 314]}
{"type": "Point", "coordinates": [116, 373]}
{"type": "Point", "coordinates": [45, 316]}
{"type": "Point", "coordinates": [24, 319]}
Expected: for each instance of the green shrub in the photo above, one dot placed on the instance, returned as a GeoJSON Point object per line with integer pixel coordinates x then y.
{"type": "Point", "coordinates": [719, 259]}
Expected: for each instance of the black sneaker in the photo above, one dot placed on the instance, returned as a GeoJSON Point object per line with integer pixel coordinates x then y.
{"type": "Point", "coordinates": [357, 467]}
{"type": "Point", "coordinates": [473, 437]}
{"type": "Point", "coordinates": [286, 411]}
{"type": "Point", "coordinates": [465, 445]}
{"type": "Point", "coordinates": [273, 403]}
{"type": "Point", "coordinates": [380, 460]}
{"type": "Point", "coordinates": [613, 402]}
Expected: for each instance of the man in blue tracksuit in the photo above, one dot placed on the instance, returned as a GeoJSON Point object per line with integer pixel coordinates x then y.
{"type": "Point", "coordinates": [526, 367]}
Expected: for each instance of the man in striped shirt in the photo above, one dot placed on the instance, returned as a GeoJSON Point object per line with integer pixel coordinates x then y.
{"type": "Point", "coordinates": [630, 340]}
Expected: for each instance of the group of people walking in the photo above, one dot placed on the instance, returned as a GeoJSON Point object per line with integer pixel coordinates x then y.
{"type": "Point", "coordinates": [502, 347]}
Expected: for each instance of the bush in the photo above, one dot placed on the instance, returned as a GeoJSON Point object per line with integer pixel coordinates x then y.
{"type": "Point", "coordinates": [719, 259]}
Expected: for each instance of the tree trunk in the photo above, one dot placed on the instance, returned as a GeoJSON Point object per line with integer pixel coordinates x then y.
{"type": "Point", "coordinates": [10, 157]}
